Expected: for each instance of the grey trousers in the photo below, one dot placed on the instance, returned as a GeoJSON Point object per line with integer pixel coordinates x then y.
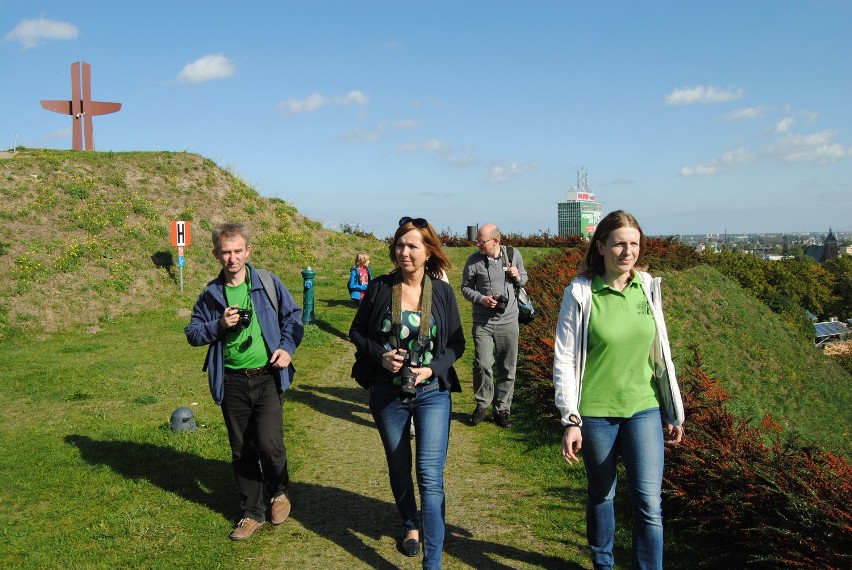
{"type": "Point", "coordinates": [494, 364]}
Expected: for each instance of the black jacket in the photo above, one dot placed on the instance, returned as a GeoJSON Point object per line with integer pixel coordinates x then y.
{"type": "Point", "coordinates": [369, 343]}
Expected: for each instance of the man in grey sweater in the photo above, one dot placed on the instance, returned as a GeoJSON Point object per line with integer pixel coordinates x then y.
{"type": "Point", "coordinates": [488, 281]}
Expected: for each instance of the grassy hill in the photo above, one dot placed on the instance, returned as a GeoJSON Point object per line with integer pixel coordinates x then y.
{"type": "Point", "coordinates": [86, 235]}
{"type": "Point", "coordinates": [95, 359]}
{"type": "Point", "coordinates": [767, 368]}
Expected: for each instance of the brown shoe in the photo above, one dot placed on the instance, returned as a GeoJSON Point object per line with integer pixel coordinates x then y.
{"type": "Point", "coordinates": [280, 508]}
{"type": "Point", "coordinates": [245, 528]}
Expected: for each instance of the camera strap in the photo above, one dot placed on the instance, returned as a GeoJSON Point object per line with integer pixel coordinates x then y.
{"type": "Point", "coordinates": [425, 309]}
{"type": "Point", "coordinates": [504, 267]}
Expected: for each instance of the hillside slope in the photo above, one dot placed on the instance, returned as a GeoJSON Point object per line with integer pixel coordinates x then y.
{"type": "Point", "coordinates": [767, 369]}
{"type": "Point", "coordinates": [86, 239]}
{"type": "Point", "coordinates": [86, 235]}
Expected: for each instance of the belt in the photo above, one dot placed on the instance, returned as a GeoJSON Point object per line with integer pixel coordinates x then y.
{"type": "Point", "coordinates": [248, 371]}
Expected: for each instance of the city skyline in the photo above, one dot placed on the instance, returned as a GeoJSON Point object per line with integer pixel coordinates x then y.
{"type": "Point", "coordinates": [696, 118]}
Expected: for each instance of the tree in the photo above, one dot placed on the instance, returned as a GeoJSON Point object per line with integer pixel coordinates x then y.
{"type": "Point", "coordinates": [841, 270]}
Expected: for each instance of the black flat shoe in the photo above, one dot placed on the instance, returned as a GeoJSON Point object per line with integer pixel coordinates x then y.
{"type": "Point", "coordinates": [411, 547]}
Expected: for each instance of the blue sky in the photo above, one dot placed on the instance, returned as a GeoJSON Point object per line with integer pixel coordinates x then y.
{"type": "Point", "coordinates": [698, 117]}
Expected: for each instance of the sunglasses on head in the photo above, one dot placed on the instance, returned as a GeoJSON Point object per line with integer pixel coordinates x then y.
{"type": "Point", "coordinates": [416, 222]}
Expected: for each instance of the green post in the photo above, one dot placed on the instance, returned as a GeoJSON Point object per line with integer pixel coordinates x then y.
{"type": "Point", "coordinates": [308, 275]}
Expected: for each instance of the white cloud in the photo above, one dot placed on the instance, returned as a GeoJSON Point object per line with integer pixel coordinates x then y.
{"type": "Point", "coordinates": [32, 33]}
{"type": "Point", "coordinates": [499, 173]}
{"type": "Point", "coordinates": [308, 105]}
{"type": "Point", "coordinates": [61, 133]}
{"type": "Point", "coordinates": [399, 124]}
{"type": "Point", "coordinates": [700, 170]}
{"type": "Point", "coordinates": [315, 102]}
{"type": "Point", "coordinates": [817, 147]}
{"type": "Point", "coordinates": [727, 161]}
{"type": "Point", "coordinates": [783, 125]}
{"type": "Point", "coordinates": [432, 145]}
{"type": "Point", "coordinates": [443, 151]}
{"type": "Point", "coordinates": [353, 98]}
{"type": "Point", "coordinates": [212, 66]}
{"type": "Point", "coordinates": [746, 113]}
{"type": "Point", "coordinates": [363, 135]}
{"type": "Point", "coordinates": [701, 94]}
{"type": "Point", "coordinates": [360, 135]}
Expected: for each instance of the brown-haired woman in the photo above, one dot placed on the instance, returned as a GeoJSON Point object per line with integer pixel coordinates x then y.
{"type": "Point", "coordinates": [616, 388]}
{"type": "Point", "coordinates": [408, 334]}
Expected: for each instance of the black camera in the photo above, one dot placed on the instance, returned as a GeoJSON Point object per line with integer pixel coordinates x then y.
{"type": "Point", "coordinates": [245, 319]}
{"type": "Point", "coordinates": [502, 301]}
{"type": "Point", "coordinates": [407, 376]}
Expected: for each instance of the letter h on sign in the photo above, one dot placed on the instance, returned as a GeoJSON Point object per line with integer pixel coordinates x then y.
{"type": "Point", "coordinates": [180, 234]}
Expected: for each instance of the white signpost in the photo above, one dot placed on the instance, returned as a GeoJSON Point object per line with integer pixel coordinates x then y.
{"type": "Point", "coordinates": [180, 240]}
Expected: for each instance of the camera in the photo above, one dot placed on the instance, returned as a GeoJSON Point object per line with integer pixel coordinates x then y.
{"type": "Point", "coordinates": [407, 376]}
{"type": "Point", "coordinates": [245, 319]}
{"type": "Point", "coordinates": [502, 301]}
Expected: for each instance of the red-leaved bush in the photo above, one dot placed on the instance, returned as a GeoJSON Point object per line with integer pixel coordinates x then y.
{"type": "Point", "coordinates": [755, 490]}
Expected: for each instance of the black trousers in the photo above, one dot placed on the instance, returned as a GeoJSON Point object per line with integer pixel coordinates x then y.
{"type": "Point", "coordinates": [253, 412]}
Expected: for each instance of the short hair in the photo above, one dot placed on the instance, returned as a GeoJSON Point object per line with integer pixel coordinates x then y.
{"type": "Point", "coordinates": [230, 230]}
{"type": "Point", "coordinates": [363, 258]}
{"type": "Point", "coordinates": [594, 261]}
{"type": "Point", "coordinates": [438, 262]}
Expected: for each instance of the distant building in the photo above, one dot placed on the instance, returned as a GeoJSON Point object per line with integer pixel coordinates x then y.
{"type": "Point", "coordinates": [828, 250]}
{"type": "Point", "coordinates": [580, 213]}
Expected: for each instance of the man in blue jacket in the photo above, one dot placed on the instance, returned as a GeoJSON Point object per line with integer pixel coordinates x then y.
{"type": "Point", "coordinates": [251, 338]}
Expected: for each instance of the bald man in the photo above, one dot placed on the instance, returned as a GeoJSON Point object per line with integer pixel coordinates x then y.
{"type": "Point", "coordinates": [488, 282]}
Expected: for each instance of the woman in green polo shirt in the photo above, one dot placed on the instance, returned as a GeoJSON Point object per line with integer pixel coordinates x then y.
{"type": "Point", "coordinates": [616, 388]}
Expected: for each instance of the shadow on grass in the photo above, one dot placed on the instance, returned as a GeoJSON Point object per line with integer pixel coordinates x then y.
{"type": "Point", "coordinates": [347, 403]}
{"type": "Point", "coordinates": [337, 515]}
{"type": "Point", "coordinates": [325, 326]}
{"type": "Point", "coordinates": [164, 260]}
{"type": "Point", "coordinates": [208, 482]}
{"type": "Point", "coordinates": [340, 303]}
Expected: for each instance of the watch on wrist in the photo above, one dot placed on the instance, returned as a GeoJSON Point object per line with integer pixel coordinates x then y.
{"type": "Point", "coordinates": [574, 421]}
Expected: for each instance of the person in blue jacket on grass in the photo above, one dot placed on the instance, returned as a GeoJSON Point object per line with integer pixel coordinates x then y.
{"type": "Point", "coordinates": [252, 327]}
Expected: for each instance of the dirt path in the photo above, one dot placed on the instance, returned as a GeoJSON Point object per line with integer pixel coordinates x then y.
{"type": "Point", "coordinates": [344, 516]}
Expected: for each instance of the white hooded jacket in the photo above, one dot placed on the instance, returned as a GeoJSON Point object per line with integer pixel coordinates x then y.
{"type": "Point", "coordinates": [572, 335]}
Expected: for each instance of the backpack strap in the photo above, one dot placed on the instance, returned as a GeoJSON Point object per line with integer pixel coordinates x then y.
{"type": "Point", "coordinates": [266, 280]}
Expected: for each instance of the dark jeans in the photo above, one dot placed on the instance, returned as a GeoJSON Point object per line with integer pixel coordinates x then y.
{"type": "Point", "coordinates": [253, 412]}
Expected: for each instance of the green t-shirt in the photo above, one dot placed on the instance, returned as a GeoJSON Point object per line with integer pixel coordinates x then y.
{"type": "Point", "coordinates": [244, 348]}
{"type": "Point", "coordinates": [619, 376]}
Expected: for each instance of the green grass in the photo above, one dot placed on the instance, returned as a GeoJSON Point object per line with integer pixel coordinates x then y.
{"type": "Point", "coordinates": [92, 476]}
{"type": "Point", "coordinates": [95, 361]}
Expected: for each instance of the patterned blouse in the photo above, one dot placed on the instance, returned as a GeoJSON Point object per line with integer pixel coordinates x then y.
{"type": "Point", "coordinates": [408, 339]}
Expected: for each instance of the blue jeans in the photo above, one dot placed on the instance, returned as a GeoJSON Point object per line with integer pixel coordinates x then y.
{"type": "Point", "coordinates": [430, 411]}
{"type": "Point", "coordinates": [639, 439]}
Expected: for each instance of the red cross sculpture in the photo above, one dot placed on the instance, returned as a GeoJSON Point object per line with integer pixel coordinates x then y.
{"type": "Point", "coordinates": [81, 108]}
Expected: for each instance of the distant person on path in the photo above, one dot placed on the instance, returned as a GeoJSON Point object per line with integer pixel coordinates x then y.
{"type": "Point", "coordinates": [616, 388]}
{"type": "Point", "coordinates": [488, 281]}
{"type": "Point", "coordinates": [359, 277]}
{"type": "Point", "coordinates": [408, 333]}
{"type": "Point", "coordinates": [251, 344]}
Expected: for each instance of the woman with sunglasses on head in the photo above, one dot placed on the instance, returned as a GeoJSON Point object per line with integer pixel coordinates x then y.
{"type": "Point", "coordinates": [616, 388]}
{"type": "Point", "coordinates": [408, 333]}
